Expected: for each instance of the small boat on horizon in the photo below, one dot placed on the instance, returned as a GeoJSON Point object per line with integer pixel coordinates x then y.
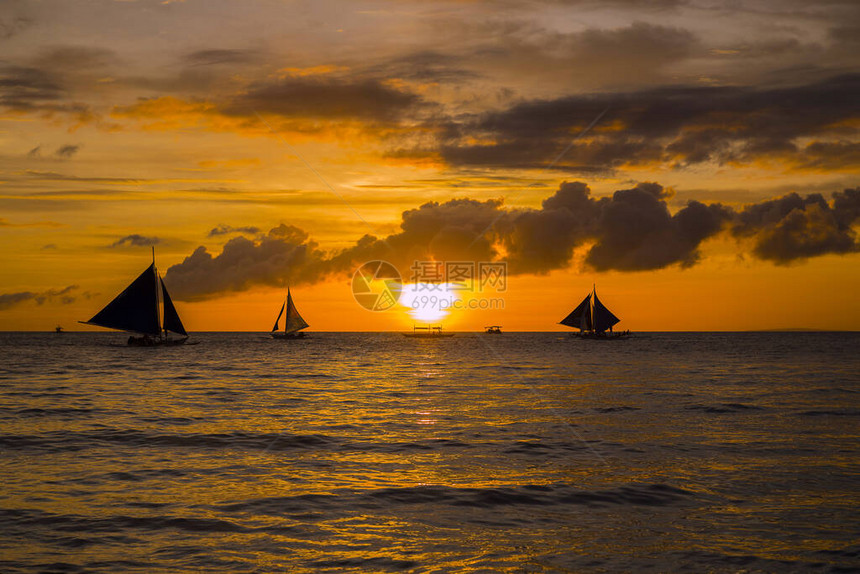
{"type": "Point", "coordinates": [493, 330]}
{"type": "Point", "coordinates": [58, 329]}
{"type": "Point", "coordinates": [293, 322]}
{"type": "Point", "coordinates": [427, 332]}
{"type": "Point", "coordinates": [593, 320]}
{"type": "Point", "coordinates": [145, 309]}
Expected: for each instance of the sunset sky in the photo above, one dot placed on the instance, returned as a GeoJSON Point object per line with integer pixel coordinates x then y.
{"type": "Point", "coordinates": [698, 161]}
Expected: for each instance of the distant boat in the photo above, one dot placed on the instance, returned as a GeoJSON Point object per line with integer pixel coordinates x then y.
{"type": "Point", "coordinates": [58, 329]}
{"type": "Point", "coordinates": [427, 333]}
{"type": "Point", "coordinates": [493, 330]}
{"type": "Point", "coordinates": [293, 322]}
{"type": "Point", "coordinates": [143, 309]}
{"type": "Point", "coordinates": [593, 319]}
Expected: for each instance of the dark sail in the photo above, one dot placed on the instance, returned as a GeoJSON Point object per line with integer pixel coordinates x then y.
{"type": "Point", "coordinates": [293, 321]}
{"type": "Point", "coordinates": [171, 317]}
{"type": "Point", "coordinates": [281, 312]}
{"type": "Point", "coordinates": [135, 309]}
{"type": "Point", "coordinates": [603, 317]}
{"type": "Point", "coordinates": [580, 318]}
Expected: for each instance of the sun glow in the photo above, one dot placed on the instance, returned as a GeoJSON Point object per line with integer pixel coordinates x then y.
{"type": "Point", "coordinates": [429, 302]}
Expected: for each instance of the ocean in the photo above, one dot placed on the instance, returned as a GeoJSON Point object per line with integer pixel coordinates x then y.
{"type": "Point", "coordinates": [373, 452]}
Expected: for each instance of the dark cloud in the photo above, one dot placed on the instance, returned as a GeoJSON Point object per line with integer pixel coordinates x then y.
{"type": "Point", "coordinates": [453, 230]}
{"type": "Point", "coordinates": [793, 228]}
{"type": "Point", "coordinates": [672, 125]}
{"type": "Point", "coordinates": [62, 296]}
{"type": "Point", "coordinates": [25, 89]}
{"type": "Point", "coordinates": [63, 152]}
{"type": "Point", "coordinates": [66, 59]}
{"type": "Point", "coordinates": [284, 255]}
{"type": "Point", "coordinates": [424, 66]}
{"type": "Point", "coordinates": [220, 56]}
{"type": "Point", "coordinates": [136, 240]}
{"type": "Point", "coordinates": [636, 46]}
{"type": "Point", "coordinates": [325, 98]}
{"type": "Point", "coordinates": [67, 151]}
{"type": "Point", "coordinates": [632, 230]}
{"type": "Point", "coordinates": [228, 229]}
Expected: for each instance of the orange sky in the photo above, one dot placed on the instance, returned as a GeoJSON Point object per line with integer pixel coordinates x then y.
{"type": "Point", "coordinates": [275, 135]}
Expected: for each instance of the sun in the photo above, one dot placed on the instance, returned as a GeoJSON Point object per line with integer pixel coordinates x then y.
{"type": "Point", "coordinates": [429, 302]}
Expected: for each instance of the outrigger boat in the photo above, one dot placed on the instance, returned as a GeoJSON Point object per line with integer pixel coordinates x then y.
{"type": "Point", "coordinates": [144, 309]}
{"type": "Point", "coordinates": [293, 322]}
{"type": "Point", "coordinates": [593, 320]}
{"type": "Point", "coordinates": [427, 333]}
{"type": "Point", "coordinates": [493, 330]}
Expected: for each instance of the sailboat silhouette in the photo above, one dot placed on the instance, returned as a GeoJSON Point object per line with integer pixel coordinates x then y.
{"type": "Point", "coordinates": [144, 308]}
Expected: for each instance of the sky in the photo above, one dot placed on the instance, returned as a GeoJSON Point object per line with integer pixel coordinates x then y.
{"type": "Point", "coordinates": [696, 161]}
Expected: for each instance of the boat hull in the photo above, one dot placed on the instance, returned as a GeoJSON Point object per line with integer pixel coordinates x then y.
{"type": "Point", "coordinates": [427, 335]}
{"type": "Point", "coordinates": [602, 336]}
{"type": "Point", "coordinates": [288, 336]}
{"type": "Point", "coordinates": [151, 342]}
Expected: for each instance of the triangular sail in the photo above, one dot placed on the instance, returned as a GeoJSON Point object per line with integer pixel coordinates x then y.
{"type": "Point", "coordinates": [171, 317]}
{"type": "Point", "coordinates": [580, 318]}
{"type": "Point", "coordinates": [603, 317]}
{"type": "Point", "coordinates": [281, 312]}
{"type": "Point", "coordinates": [135, 309]}
{"type": "Point", "coordinates": [293, 321]}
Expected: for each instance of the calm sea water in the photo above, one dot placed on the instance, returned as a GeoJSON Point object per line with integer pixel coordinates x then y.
{"type": "Point", "coordinates": [526, 452]}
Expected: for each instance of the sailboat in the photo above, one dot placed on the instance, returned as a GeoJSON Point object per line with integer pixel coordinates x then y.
{"type": "Point", "coordinates": [293, 322]}
{"type": "Point", "coordinates": [593, 319]}
{"type": "Point", "coordinates": [144, 308]}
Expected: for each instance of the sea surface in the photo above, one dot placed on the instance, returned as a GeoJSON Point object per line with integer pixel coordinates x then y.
{"type": "Point", "coordinates": [359, 452]}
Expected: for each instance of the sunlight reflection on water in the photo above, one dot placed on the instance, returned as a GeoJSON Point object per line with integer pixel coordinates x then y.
{"type": "Point", "coordinates": [375, 452]}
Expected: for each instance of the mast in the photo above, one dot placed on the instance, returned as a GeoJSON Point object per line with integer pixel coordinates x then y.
{"type": "Point", "coordinates": [591, 306]}
{"type": "Point", "coordinates": [158, 287]}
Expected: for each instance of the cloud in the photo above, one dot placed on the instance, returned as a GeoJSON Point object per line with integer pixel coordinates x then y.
{"type": "Point", "coordinates": [62, 296]}
{"type": "Point", "coordinates": [136, 240]}
{"type": "Point", "coordinates": [67, 151]}
{"type": "Point", "coordinates": [26, 88]}
{"type": "Point", "coordinates": [673, 126]}
{"type": "Point", "coordinates": [794, 228]}
{"type": "Point", "coordinates": [284, 255]}
{"type": "Point", "coordinates": [325, 97]}
{"type": "Point", "coordinates": [221, 56]}
{"type": "Point", "coordinates": [63, 152]}
{"type": "Point", "coordinates": [228, 229]}
{"type": "Point", "coordinates": [631, 230]}
{"type": "Point", "coordinates": [69, 58]}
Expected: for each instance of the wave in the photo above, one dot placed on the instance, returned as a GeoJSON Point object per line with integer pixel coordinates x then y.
{"type": "Point", "coordinates": [436, 495]}
{"type": "Point", "coordinates": [70, 441]}
{"type": "Point", "coordinates": [846, 412]}
{"type": "Point", "coordinates": [722, 408]}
